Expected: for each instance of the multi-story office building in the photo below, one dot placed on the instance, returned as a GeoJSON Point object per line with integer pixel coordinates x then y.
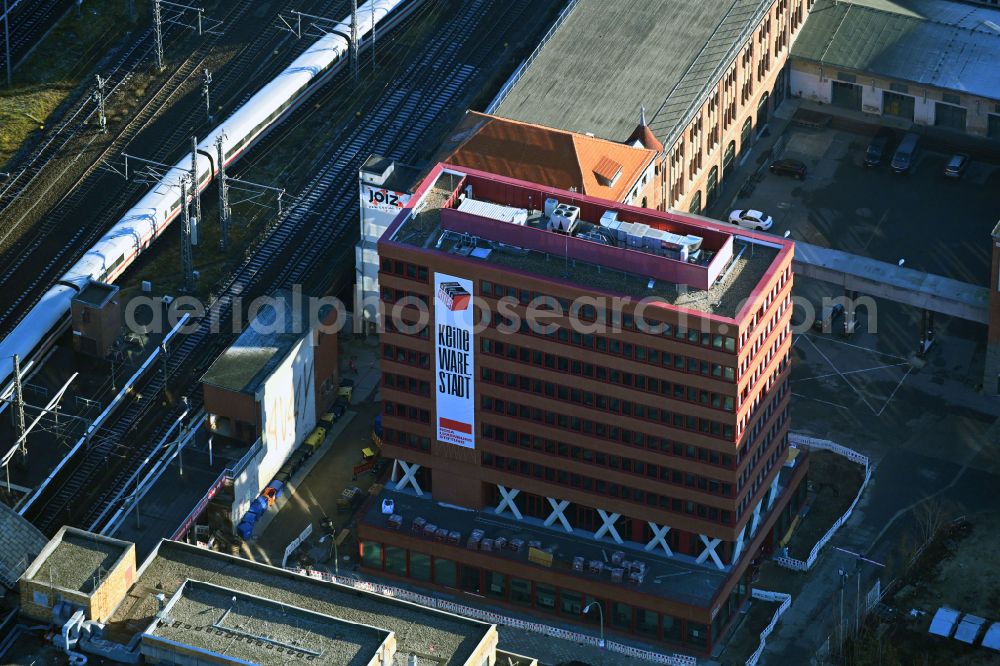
{"type": "Point", "coordinates": [599, 415]}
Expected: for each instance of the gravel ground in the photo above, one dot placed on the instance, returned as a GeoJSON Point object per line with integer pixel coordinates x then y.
{"type": "Point", "coordinates": [77, 562]}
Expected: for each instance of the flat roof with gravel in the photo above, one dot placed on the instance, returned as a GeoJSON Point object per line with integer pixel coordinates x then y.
{"type": "Point", "coordinates": [421, 631]}
{"type": "Point", "coordinates": [251, 629]}
{"type": "Point", "coordinates": [77, 561]}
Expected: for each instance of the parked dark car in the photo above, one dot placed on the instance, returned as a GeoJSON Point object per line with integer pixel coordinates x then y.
{"type": "Point", "coordinates": [906, 153]}
{"type": "Point", "coordinates": [830, 314]}
{"type": "Point", "coordinates": [793, 168]}
{"type": "Point", "coordinates": [957, 165]}
{"type": "Point", "coordinates": [879, 147]}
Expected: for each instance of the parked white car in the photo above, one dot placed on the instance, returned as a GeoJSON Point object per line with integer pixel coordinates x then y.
{"type": "Point", "coordinates": [751, 219]}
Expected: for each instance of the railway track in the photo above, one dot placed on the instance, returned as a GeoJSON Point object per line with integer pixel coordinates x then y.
{"type": "Point", "coordinates": [295, 250]}
{"type": "Point", "coordinates": [28, 22]}
{"type": "Point", "coordinates": [51, 251]}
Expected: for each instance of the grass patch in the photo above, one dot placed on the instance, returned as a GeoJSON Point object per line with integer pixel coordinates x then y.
{"type": "Point", "coordinates": [58, 66]}
{"type": "Point", "coordinates": [24, 112]}
{"type": "Point", "coordinates": [833, 483]}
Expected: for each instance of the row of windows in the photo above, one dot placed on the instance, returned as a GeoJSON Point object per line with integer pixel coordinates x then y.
{"type": "Point", "coordinates": [390, 295]}
{"type": "Point", "coordinates": [404, 383]}
{"type": "Point", "coordinates": [638, 467]}
{"type": "Point", "coordinates": [706, 427]}
{"type": "Point", "coordinates": [404, 269]}
{"type": "Point", "coordinates": [646, 355]}
{"type": "Point", "coordinates": [677, 392]}
{"type": "Point", "coordinates": [660, 444]}
{"type": "Point", "coordinates": [543, 597]}
{"type": "Point", "coordinates": [406, 411]}
{"type": "Point", "coordinates": [589, 312]}
{"type": "Point", "coordinates": [609, 489]}
{"type": "Point", "coordinates": [390, 327]}
{"type": "Point", "coordinates": [406, 356]}
{"type": "Point", "coordinates": [407, 439]}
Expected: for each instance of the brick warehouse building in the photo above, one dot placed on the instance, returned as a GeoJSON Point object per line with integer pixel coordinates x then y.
{"type": "Point", "coordinates": [709, 76]}
{"type": "Point", "coordinates": [643, 468]}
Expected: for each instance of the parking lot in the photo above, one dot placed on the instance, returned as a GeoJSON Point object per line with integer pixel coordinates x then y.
{"type": "Point", "coordinates": [936, 224]}
{"type": "Point", "coordinates": [923, 421]}
{"type": "Point", "coordinates": [864, 391]}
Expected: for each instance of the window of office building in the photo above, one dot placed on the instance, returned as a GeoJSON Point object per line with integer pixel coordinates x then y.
{"type": "Point", "coordinates": [671, 628]}
{"type": "Point", "coordinates": [520, 591]}
{"type": "Point", "coordinates": [621, 616]}
{"type": "Point", "coordinates": [496, 584]}
{"type": "Point", "coordinates": [697, 634]}
{"type": "Point", "coordinates": [444, 572]}
{"type": "Point", "coordinates": [745, 136]}
{"type": "Point", "coordinates": [545, 597]}
{"type": "Point", "coordinates": [395, 560]}
{"type": "Point", "coordinates": [646, 621]}
{"type": "Point", "coordinates": [570, 603]}
{"type": "Point", "coordinates": [420, 566]}
{"type": "Point", "coordinates": [712, 186]}
{"type": "Point", "coordinates": [471, 579]}
{"type": "Point", "coordinates": [371, 554]}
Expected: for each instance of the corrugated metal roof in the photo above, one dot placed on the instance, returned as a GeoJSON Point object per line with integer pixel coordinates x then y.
{"type": "Point", "coordinates": [706, 69]}
{"type": "Point", "coordinates": [610, 58]}
{"type": "Point", "coordinates": [939, 44]}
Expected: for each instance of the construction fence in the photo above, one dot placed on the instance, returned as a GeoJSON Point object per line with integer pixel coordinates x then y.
{"type": "Point", "coordinates": [785, 601]}
{"type": "Point", "coordinates": [803, 442]}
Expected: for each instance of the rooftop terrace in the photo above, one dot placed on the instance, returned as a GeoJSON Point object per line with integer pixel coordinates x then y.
{"type": "Point", "coordinates": [733, 266]}
{"type": "Point", "coordinates": [242, 627]}
{"type": "Point", "coordinates": [420, 631]}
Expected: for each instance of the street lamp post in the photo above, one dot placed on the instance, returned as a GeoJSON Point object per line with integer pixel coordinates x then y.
{"type": "Point", "coordinates": [327, 524]}
{"type": "Point", "coordinates": [600, 614]}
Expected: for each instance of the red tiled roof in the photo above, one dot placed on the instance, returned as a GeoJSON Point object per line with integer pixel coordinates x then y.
{"type": "Point", "coordinates": [645, 136]}
{"type": "Point", "coordinates": [606, 169]}
{"type": "Point", "coordinates": [547, 156]}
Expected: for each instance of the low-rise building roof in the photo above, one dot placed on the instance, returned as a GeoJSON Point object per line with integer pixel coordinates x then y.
{"type": "Point", "coordinates": [547, 156]}
{"type": "Point", "coordinates": [267, 340]}
{"type": "Point", "coordinates": [945, 45]}
{"type": "Point", "coordinates": [229, 625]}
{"type": "Point", "coordinates": [418, 631]}
{"type": "Point", "coordinates": [76, 560]}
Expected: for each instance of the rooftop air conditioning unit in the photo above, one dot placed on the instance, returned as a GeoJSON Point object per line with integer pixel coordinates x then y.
{"type": "Point", "coordinates": [550, 206]}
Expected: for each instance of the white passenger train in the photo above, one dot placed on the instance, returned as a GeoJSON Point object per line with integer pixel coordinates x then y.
{"type": "Point", "coordinates": [146, 221]}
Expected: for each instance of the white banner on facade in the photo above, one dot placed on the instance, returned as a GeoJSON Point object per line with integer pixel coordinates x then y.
{"type": "Point", "coordinates": [453, 360]}
{"type": "Point", "coordinates": [379, 198]}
